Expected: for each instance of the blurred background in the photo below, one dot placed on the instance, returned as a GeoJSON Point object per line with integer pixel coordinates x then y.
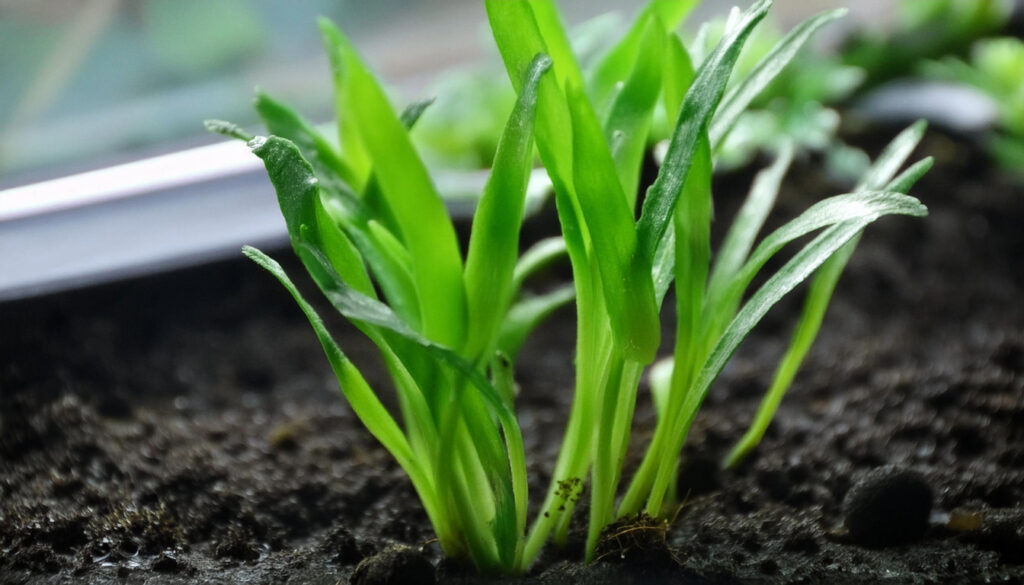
{"type": "Point", "coordinates": [87, 86]}
{"type": "Point", "coordinates": [92, 82]}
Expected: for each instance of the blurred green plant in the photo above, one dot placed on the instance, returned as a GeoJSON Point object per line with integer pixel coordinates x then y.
{"type": "Point", "coordinates": [996, 67]}
{"type": "Point", "coordinates": [923, 29]}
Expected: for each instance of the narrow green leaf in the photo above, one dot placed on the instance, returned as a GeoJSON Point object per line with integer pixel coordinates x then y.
{"type": "Point", "coordinates": [740, 96]}
{"type": "Point", "coordinates": [792, 273]}
{"type": "Point", "coordinates": [867, 205]}
{"type": "Point", "coordinates": [698, 107]}
{"type": "Point", "coordinates": [494, 241]}
{"type": "Point", "coordinates": [352, 147]}
{"type": "Point", "coordinates": [340, 250]}
{"type": "Point", "coordinates": [892, 157]}
{"type": "Point", "coordinates": [678, 75]}
{"type": "Point", "coordinates": [549, 23]}
{"type": "Point", "coordinates": [906, 180]}
{"type": "Point", "coordinates": [518, 40]}
{"type": "Point", "coordinates": [285, 122]}
{"type": "Point", "coordinates": [412, 113]}
{"type": "Point", "coordinates": [625, 274]}
{"type": "Point", "coordinates": [693, 255]}
{"type": "Point", "coordinates": [292, 176]}
{"type": "Point", "coordinates": [426, 230]}
{"type": "Point", "coordinates": [811, 317]}
{"type": "Point", "coordinates": [376, 203]}
{"type": "Point", "coordinates": [392, 265]}
{"type": "Point", "coordinates": [616, 64]}
{"type": "Point", "coordinates": [629, 120]}
{"type": "Point", "coordinates": [818, 296]}
{"type": "Point", "coordinates": [229, 129]}
{"type": "Point", "coordinates": [362, 309]}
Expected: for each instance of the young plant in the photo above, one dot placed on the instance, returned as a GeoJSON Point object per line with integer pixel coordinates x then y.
{"type": "Point", "coordinates": [367, 215]}
{"type": "Point", "coordinates": [590, 135]}
{"type": "Point", "coordinates": [364, 216]}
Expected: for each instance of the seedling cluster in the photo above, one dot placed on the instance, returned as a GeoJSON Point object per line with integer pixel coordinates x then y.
{"type": "Point", "coordinates": [368, 225]}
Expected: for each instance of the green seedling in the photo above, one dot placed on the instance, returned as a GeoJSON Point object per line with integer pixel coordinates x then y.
{"type": "Point", "coordinates": [622, 268]}
{"type": "Point", "coordinates": [363, 216]}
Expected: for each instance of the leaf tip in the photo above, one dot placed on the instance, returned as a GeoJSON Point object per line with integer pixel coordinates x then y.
{"type": "Point", "coordinates": [256, 143]}
{"type": "Point", "coordinates": [229, 129]}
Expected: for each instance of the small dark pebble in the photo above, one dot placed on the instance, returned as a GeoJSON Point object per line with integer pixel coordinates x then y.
{"type": "Point", "coordinates": [237, 548]}
{"type": "Point", "coordinates": [394, 566]}
{"type": "Point", "coordinates": [888, 506]}
{"type": "Point", "coordinates": [167, 562]}
{"type": "Point", "coordinates": [343, 547]}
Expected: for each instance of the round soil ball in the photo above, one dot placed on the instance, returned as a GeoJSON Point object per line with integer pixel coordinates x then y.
{"type": "Point", "coordinates": [394, 566]}
{"type": "Point", "coordinates": [888, 506]}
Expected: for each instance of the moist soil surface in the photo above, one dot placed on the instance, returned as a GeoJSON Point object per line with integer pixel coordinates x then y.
{"type": "Point", "coordinates": [186, 428]}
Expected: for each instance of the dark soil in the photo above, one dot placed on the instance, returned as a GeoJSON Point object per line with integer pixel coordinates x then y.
{"type": "Point", "coordinates": [186, 428]}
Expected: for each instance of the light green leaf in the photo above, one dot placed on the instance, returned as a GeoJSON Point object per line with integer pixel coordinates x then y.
{"type": "Point", "coordinates": [616, 64]}
{"type": "Point", "coordinates": [625, 274]}
{"type": "Point", "coordinates": [494, 242]}
{"type": "Point", "coordinates": [629, 119]}
{"type": "Point", "coordinates": [425, 228]}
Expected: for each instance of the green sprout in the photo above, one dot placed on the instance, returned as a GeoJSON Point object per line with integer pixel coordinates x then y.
{"type": "Point", "coordinates": [363, 216]}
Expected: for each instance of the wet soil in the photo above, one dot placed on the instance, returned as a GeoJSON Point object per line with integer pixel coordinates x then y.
{"type": "Point", "coordinates": [186, 428]}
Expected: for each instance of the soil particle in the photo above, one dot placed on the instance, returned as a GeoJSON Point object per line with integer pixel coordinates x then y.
{"type": "Point", "coordinates": [888, 506]}
{"type": "Point", "coordinates": [636, 540]}
{"type": "Point", "coordinates": [342, 547]}
{"type": "Point", "coordinates": [395, 565]}
{"type": "Point", "coordinates": [1003, 533]}
{"type": "Point", "coordinates": [170, 561]}
{"type": "Point", "coordinates": [237, 547]}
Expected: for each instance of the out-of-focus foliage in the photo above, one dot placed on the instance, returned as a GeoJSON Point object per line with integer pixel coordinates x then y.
{"type": "Point", "coordinates": [996, 67]}
{"type": "Point", "coordinates": [924, 29]}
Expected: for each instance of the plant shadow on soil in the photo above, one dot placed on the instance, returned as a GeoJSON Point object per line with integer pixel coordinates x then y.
{"type": "Point", "coordinates": [186, 427]}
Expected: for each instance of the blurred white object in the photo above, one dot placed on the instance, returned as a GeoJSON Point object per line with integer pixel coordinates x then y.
{"type": "Point", "coordinates": [954, 106]}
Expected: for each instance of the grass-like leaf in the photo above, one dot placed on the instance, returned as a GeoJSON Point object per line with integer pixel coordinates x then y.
{"type": "Point", "coordinates": [494, 244]}
{"type": "Point", "coordinates": [699, 105]}
{"type": "Point", "coordinates": [740, 96]}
